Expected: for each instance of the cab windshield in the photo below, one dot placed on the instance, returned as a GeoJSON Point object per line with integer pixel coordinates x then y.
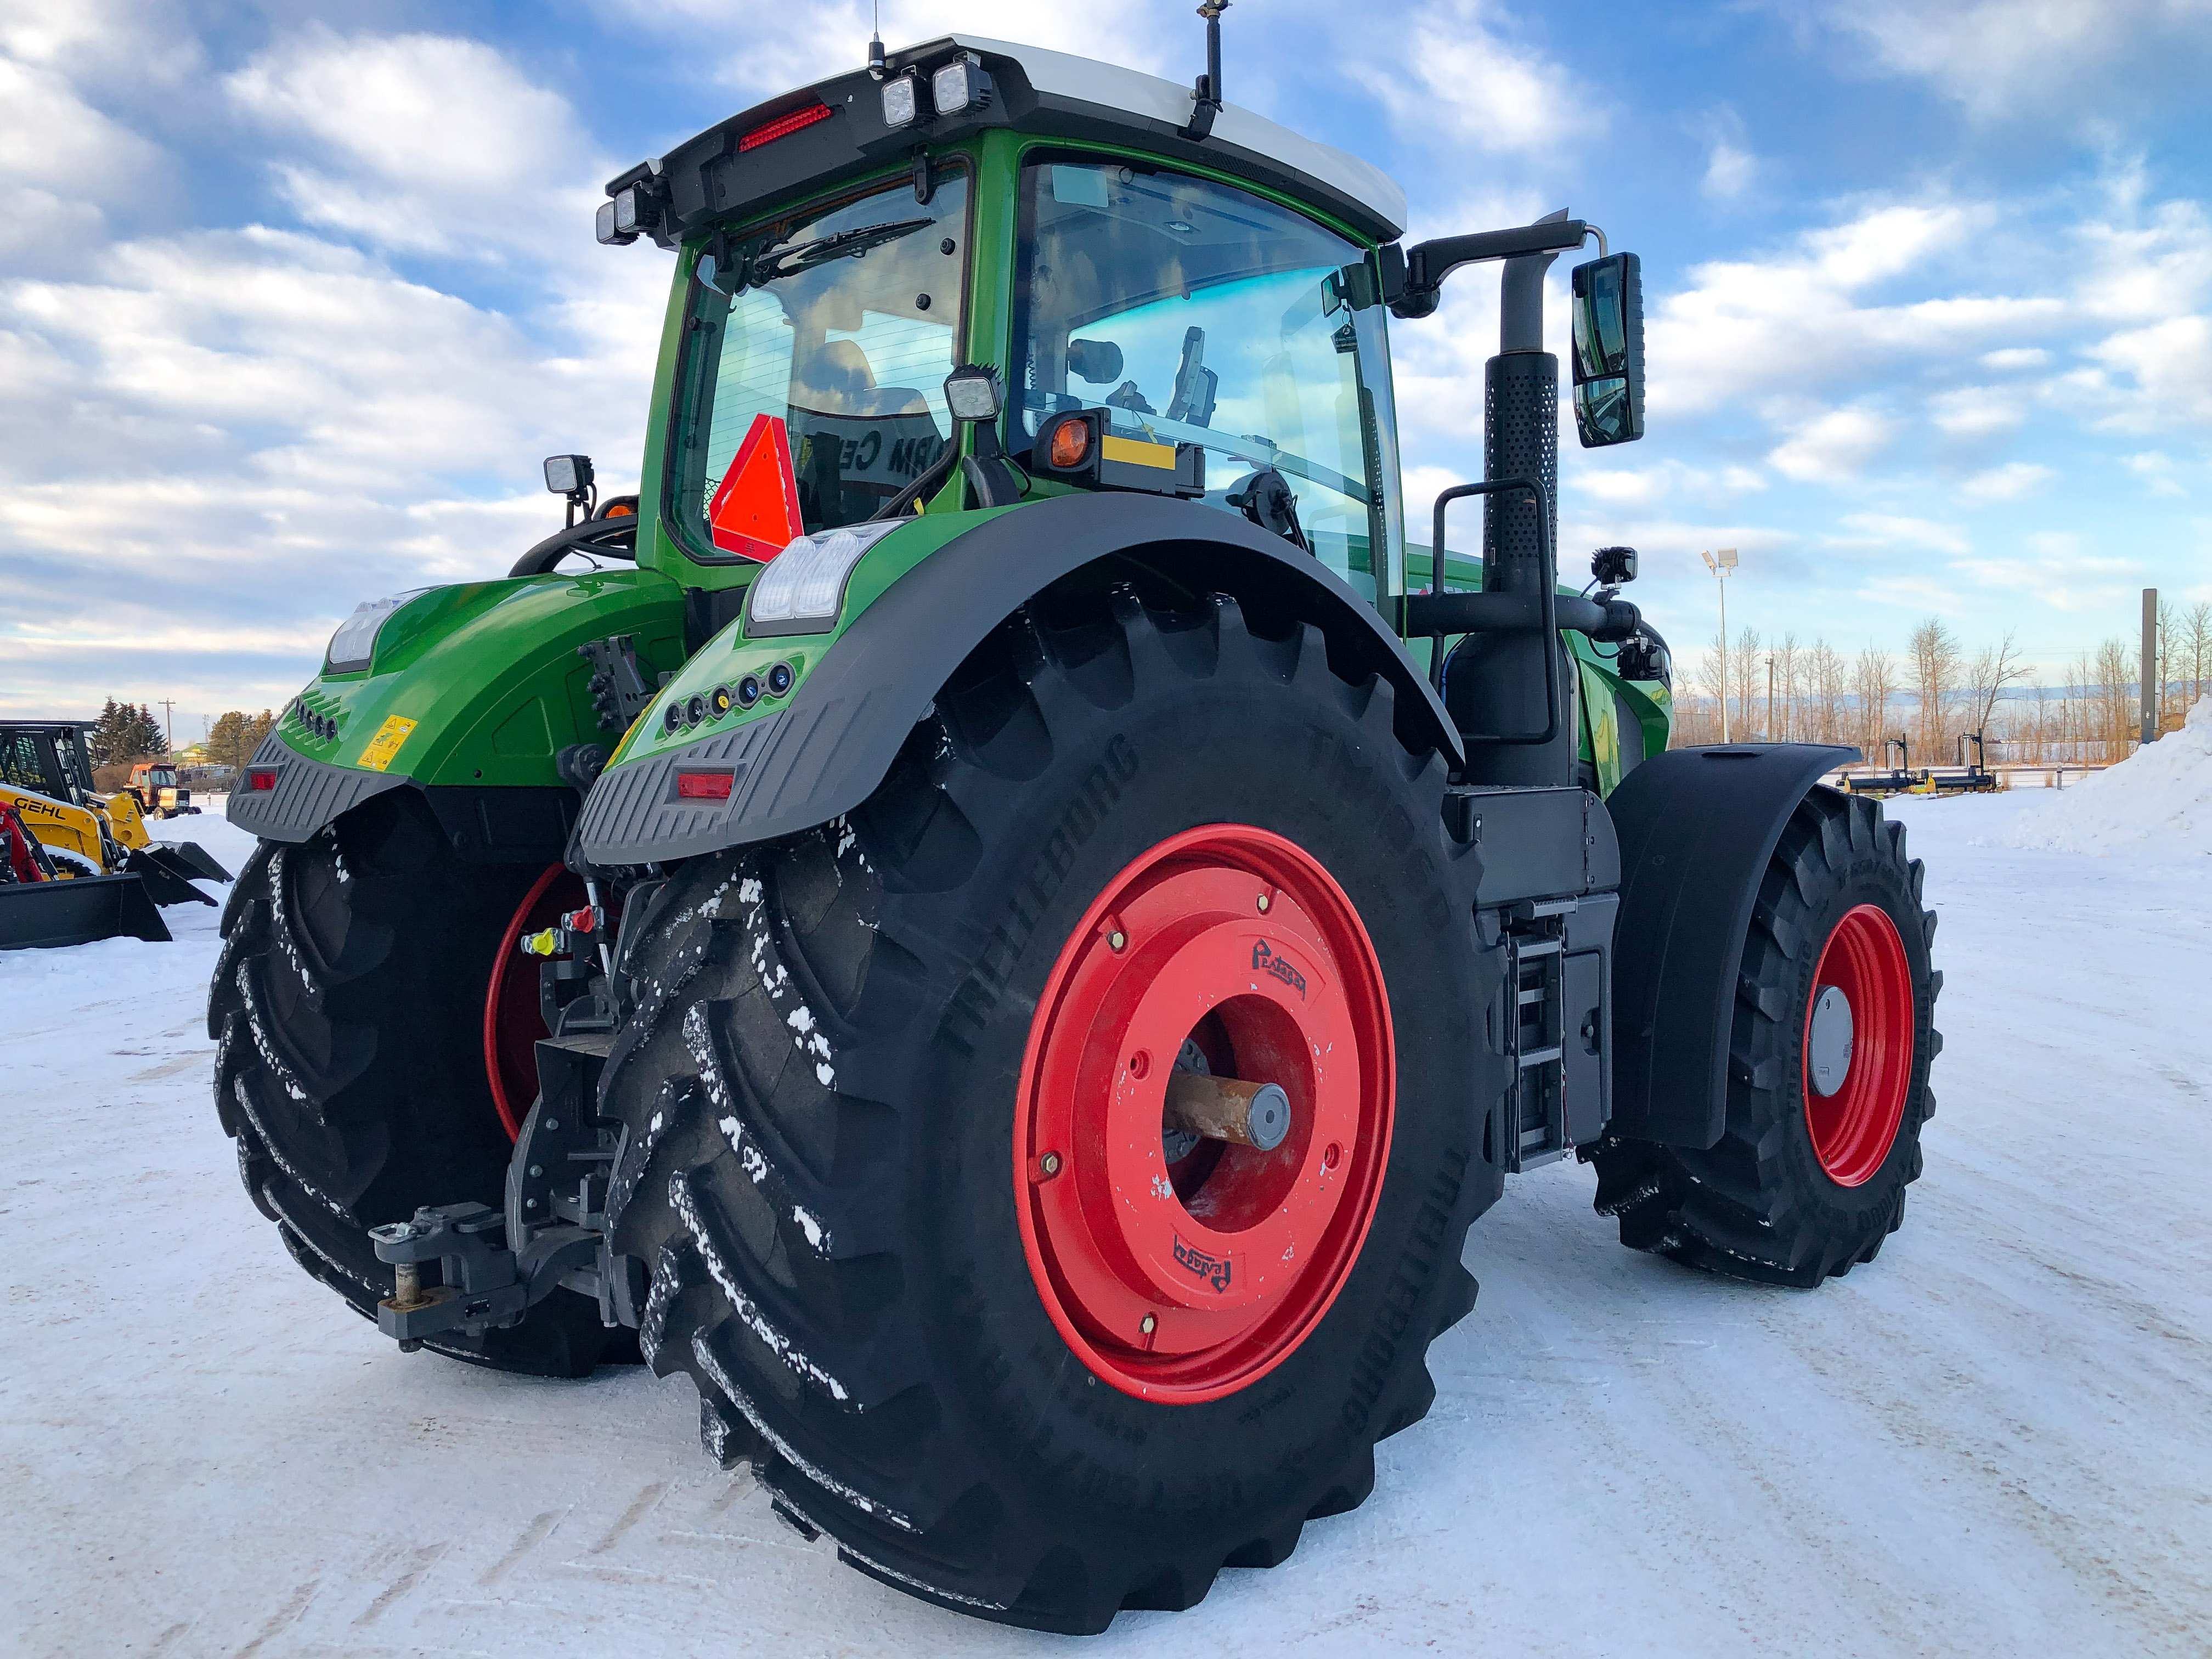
{"type": "Point", "coordinates": [815, 354]}
{"type": "Point", "coordinates": [1201, 314]}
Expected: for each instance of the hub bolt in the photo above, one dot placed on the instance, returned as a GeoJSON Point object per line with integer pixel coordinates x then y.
{"type": "Point", "coordinates": [1148, 1324]}
{"type": "Point", "coordinates": [1049, 1163]}
{"type": "Point", "coordinates": [1117, 939]}
{"type": "Point", "coordinates": [1264, 902]}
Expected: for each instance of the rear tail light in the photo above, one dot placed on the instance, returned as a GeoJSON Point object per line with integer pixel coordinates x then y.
{"type": "Point", "coordinates": [769, 132]}
{"type": "Point", "coordinates": [260, 780]}
{"type": "Point", "coordinates": [703, 786]}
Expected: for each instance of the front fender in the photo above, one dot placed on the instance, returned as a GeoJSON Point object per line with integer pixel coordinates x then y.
{"type": "Point", "coordinates": [473, 691]}
{"type": "Point", "coordinates": [823, 751]}
{"type": "Point", "coordinates": [1697, 828]}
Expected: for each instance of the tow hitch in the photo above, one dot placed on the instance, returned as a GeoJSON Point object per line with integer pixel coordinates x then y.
{"type": "Point", "coordinates": [493, 1265]}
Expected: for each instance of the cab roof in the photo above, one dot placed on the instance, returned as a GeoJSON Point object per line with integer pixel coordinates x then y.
{"type": "Point", "coordinates": [732, 168]}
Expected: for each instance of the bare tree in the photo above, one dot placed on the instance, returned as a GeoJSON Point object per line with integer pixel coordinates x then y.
{"type": "Point", "coordinates": [1744, 678]}
{"type": "Point", "coordinates": [1994, 668]}
{"type": "Point", "coordinates": [1788, 668]}
{"type": "Point", "coordinates": [2114, 677]}
{"type": "Point", "coordinates": [1826, 673]}
{"type": "Point", "coordinates": [1874, 683]}
{"type": "Point", "coordinates": [1934, 650]}
{"type": "Point", "coordinates": [2199, 638]}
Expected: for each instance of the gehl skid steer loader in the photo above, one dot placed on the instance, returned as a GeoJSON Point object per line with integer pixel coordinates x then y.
{"type": "Point", "coordinates": [1080, 915]}
{"type": "Point", "coordinates": [93, 871]}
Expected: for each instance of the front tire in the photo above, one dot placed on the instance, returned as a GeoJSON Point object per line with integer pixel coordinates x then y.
{"type": "Point", "coordinates": [836, 1141]}
{"type": "Point", "coordinates": [348, 1008]}
{"type": "Point", "coordinates": [1821, 1135]}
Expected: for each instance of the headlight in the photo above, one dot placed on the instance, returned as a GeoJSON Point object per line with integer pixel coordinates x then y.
{"type": "Point", "coordinates": [355, 643]}
{"type": "Point", "coordinates": [804, 586]}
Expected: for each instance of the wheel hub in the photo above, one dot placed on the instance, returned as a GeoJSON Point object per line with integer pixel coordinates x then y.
{"type": "Point", "coordinates": [1185, 1247]}
{"type": "Point", "coordinates": [1859, 1043]}
{"type": "Point", "coordinates": [1828, 1042]}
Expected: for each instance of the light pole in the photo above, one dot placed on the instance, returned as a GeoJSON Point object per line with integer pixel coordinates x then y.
{"type": "Point", "coordinates": [1720, 564]}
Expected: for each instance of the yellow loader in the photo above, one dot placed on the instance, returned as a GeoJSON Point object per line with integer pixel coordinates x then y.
{"type": "Point", "coordinates": [45, 776]}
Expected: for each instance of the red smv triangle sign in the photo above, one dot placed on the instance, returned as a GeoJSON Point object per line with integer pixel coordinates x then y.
{"type": "Point", "coordinates": [755, 511]}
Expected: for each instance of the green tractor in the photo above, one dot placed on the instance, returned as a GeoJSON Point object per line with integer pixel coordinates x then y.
{"type": "Point", "coordinates": [1008, 922]}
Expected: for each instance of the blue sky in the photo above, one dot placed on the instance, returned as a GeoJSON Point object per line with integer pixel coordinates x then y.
{"type": "Point", "coordinates": [294, 298]}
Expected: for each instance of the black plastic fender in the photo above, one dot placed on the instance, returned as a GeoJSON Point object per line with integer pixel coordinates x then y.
{"type": "Point", "coordinates": [1697, 826]}
{"type": "Point", "coordinates": [826, 752]}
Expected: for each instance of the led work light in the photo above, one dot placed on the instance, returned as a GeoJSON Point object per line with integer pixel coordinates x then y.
{"type": "Point", "coordinates": [962, 85]}
{"type": "Point", "coordinates": [902, 100]}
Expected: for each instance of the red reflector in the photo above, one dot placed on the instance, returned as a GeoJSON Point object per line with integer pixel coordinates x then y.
{"type": "Point", "coordinates": [769, 132]}
{"type": "Point", "coordinates": [260, 780]}
{"type": "Point", "coordinates": [702, 786]}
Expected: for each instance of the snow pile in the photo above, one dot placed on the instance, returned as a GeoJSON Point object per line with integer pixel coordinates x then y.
{"type": "Point", "coordinates": [2159, 800]}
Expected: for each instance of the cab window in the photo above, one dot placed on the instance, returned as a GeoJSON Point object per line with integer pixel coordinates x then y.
{"type": "Point", "coordinates": [1193, 311]}
{"type": "Point", "coordinates": [838, 325]}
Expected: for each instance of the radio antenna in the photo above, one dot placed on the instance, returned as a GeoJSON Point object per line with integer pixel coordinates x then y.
{"type": "Point", "coordinates": [1206, 94]}
{"type": "Point", "coordinates": [877, 68]}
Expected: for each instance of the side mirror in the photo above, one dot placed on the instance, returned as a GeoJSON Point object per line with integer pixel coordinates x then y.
{"type": "Point", "coordinates": [1608, 350]}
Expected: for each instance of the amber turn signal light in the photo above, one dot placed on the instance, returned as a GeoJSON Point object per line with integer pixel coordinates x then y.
{"type": "Point", "coordinates": [1071, 444]}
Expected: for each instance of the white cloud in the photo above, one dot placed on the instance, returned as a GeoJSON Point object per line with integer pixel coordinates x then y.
{"type": "Point", "coordinates": [764, 49]}
{"type": "Point", "coordinates": [1977, 411]}
{"type": "Point", "coordinates": [2156, 470]}
{"type": "Point", "coordinates": [1453, 67]}
{"type": "Point", "coordinates": [429, 143]}
{"type": "Point", "coordinates": [2008, 483]}
{"type": "Point", "coordinates": [1835, 448]}
{"type": "Point", "coordinates": [1803, 321]}
{"type": "Point", "coordinates": [1886, 529]}
{"type": "Point", "coordinates": [2015, 357]}
{"type": "Point", "coordinates": [2015, 57]}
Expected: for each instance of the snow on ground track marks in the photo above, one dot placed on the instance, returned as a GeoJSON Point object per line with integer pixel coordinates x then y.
{"type": "Point", "coordinates": [1991, 1439]}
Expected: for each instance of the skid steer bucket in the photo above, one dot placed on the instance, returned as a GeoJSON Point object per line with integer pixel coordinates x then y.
{"type": "Point", "coordinates": [168, 879]}
{"type": "Point", "coordinates": [39, 914]}
{"type": "Point", "coordinates": [189, 858]}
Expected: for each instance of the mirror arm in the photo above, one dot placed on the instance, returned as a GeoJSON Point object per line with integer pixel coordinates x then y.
{"type": "Point", "coordinates": [1427, 264]}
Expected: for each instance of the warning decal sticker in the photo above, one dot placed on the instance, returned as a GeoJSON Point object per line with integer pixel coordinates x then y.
{"type": "Point", "coordinates": [386, 743]}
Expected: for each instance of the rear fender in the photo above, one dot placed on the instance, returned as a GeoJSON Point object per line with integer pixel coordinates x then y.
{"type": "Point", "coordinates": [1697, 826]}
{"type": "Point", "coordinates": [473, 693]}
{"type": "Point", "coordinates": [823, 751]}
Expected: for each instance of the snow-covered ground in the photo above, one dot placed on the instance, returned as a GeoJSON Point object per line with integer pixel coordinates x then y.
{"type": "Point", "coordinates": [1997, 1439]}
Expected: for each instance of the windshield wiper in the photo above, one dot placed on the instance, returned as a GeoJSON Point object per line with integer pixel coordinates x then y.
{"type": "Point", "coordinates": [771, 263]}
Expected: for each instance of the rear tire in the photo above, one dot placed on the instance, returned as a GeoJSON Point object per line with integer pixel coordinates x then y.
{"type": "Point", "coordinates": [824, 1079]}
{"type": "Point", "coordinates": [1789, 1195]}
{"type": "Point", "coordinates": [348, 1008]}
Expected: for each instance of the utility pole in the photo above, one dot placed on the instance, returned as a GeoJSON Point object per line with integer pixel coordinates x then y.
{"type": "Point", "coordinates": [2150, 666]}
{"type": "Point", "coordinates": [169, 723]}
{"type": "Point", "coordinates": [1720, 564]}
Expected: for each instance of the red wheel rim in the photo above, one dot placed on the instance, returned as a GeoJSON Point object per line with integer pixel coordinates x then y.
{"type": "Point", "coordinates": [513, 1022]}
{"type": "Point", "coordinates": [1185, 1282]}
{"type": "Point", "coordinates": [1854, 1128]}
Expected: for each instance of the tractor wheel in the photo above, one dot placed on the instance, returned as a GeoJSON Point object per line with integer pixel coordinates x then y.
{"type": "Point", "coordinates": [348, 1007]}
{"type": "Point", "coordinates": [1827, 1073]}
{"type": "Point", "coordinates": [896, 1156]}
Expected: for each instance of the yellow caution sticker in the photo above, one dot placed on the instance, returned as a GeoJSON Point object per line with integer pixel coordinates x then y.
{"type": "Point", "coordinates": [377, 757]}
{"type": "Point", "coordinates": [1134, 452]}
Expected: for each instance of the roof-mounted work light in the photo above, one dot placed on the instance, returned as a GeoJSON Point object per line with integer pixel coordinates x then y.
{"type": "Point", "coordinates": [960, 86]}
{"type": "Point", "coordinates": [903, 100]}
